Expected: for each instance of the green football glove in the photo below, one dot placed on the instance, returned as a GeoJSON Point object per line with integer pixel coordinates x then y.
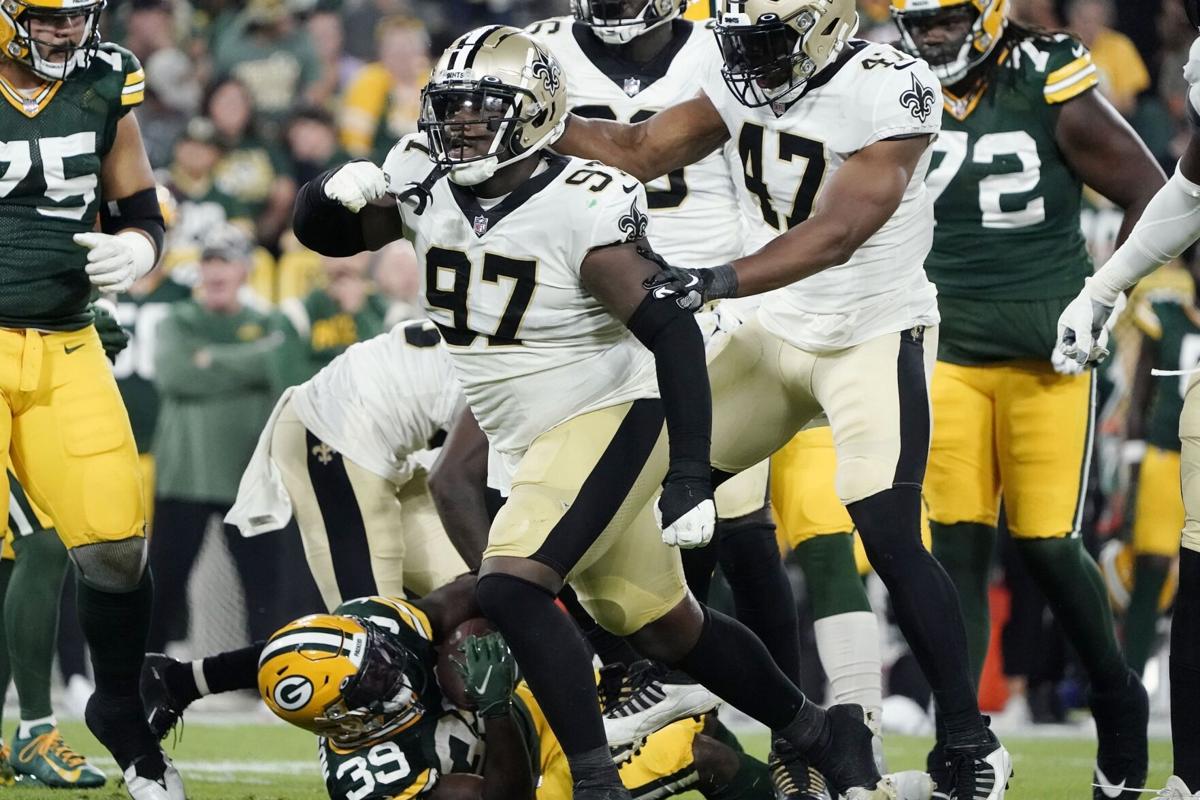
{"type": "Point", "coordinates": [489, 673]}
{"type": "Point", "coordinates": [113, 338]}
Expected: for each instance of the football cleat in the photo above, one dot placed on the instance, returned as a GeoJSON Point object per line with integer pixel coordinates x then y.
{"type": "Point", "coordinates": [847, 760]}
{"type": "Point", "coordinates": [978, 771]}
{"type": "Point", "coordinates": [791, 774]}
{"type": "Point", "coordinates": [657, 697]}
{"type": "Point", "coordinates": [154, 777]}
{"type": "Point", "coordinates": [939, 771]}
{"type": "Point", "coordinates": [163, 710]}
{"type": "Point", "coordinates": [586, 790]}
{"type": "Point", "coordinates": [7, 776]}
{"type": "Point", "coordinates": [45, 756]}
{"type": "Point", "coordinates": [1176, 789]}
{"type": "Point", "coordinates": [1122, 753]}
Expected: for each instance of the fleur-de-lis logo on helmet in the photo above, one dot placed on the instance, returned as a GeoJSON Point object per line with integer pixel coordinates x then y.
{"type": "Point", "coordinates": [918, 99]}
{"type": "Point", "coordinates": [542, 66]}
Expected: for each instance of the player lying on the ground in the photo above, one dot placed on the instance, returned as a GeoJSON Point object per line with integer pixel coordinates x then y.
{"type": "Point", "coordinates": [396, 720]}
{"type": "Point", "coordinates": [592, 392]}
{"type": "Point", "coordinates": [343, 448]}
{"type": "Point", "coordinates": [1170, 223]}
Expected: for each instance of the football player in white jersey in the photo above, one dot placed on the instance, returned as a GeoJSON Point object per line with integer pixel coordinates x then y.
{"type": "Point", "coordinates": [571, 368]}
{"type": "Point", "coordinates": [833, 136]}
{"type": "Point", "coordinates": [626, 60]}
{"type": "Point", "coordinates": [343, 452]}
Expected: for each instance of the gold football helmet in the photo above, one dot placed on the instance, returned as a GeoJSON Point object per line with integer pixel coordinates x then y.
{"type": "Point", "coordinates": [622, 21]}
{"type": "Point", "coordinates": [493, 86]}
{"type": "Point", "coordinates": [772, 48]}
{"type": "Point", "coordinates": [341, 677]}
{"type": "Point", "coordinates": [43, 57]}
{"type": "Point", "coordinates": [983, 21]}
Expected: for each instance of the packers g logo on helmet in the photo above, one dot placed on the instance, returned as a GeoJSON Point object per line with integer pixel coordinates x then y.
{"type": "Point", "coordinates": [622, 21]}
{"type": "Point", "coordinates": [492, 81]}
{"type": "Point", "coordinates": [951, 61]}
{"type": "Point", "coordinates": [772, 48]}
{"type": "Point", "coordinates": [340, 677]}
{"type": "Point", "coordinates": [17, 42]}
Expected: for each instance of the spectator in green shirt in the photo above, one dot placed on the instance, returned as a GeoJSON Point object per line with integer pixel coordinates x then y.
{"type": "Point", "coordinates": [211, 368]}
{"type": "Point", "coordinates": [320, 326]}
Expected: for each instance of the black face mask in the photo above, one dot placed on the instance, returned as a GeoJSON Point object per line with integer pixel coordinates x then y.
{"type": "Point", "coordinates": [758, 58]}
{"type": "Point", "coordinates": [945, 51]}
{"type": "Point", "coordinates": [449, 115]}
{"type": "Point", "coordinates": [608, 10]}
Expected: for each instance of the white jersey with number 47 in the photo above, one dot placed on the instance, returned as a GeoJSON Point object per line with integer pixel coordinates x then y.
{"type": "Point", "coordinates": [695, 212]}
{"type": "Point", "coordinates": [531, 347]}
{"type": "Point", "coordinates": [870, 93]}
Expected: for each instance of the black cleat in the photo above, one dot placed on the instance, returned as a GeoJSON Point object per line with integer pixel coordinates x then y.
{"type": "Point", "coordinates": [847, 759]}
{"type": "Point", "coordinates": [791, 774]}
{"type": "Point", "coordinates": [163, 709]}
{"type": "Point", "coordinates": [589, 790]}
{"type": "Point", "coordinates": [978, 771]}
{"type": "Point", "coordinates": [1122, 753]}
{"type": "Point", "coordinates": [939, 771]}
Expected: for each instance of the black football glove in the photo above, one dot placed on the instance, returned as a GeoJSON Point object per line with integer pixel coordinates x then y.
{"type": "Point", "coordinates": [113, 338]}
{"type": "Point", "coordinates": [691, 288]}
{"type": "Point", "coordinates": [685, 511]}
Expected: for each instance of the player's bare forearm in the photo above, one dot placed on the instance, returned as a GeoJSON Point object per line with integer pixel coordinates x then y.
{"type": "Point", "coordinates": [450, 605]}
{"type": "Point", "coordinates": [860, 198]}
{"type": "Point", "coordinates": [1108, 156]}
{"type": "Point", "coordinates": [671, 139]}
{"type": "Point", "coordinates": [507, 772]}
{"type": "Point", "coordinates": [457, 484]}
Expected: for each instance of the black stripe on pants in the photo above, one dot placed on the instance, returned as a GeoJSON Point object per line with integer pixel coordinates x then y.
{"type": "Point", "coordinates": [345, 530]}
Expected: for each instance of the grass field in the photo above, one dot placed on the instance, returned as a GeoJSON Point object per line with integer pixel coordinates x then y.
{"type": "Point", "coordinates": [274, 762]}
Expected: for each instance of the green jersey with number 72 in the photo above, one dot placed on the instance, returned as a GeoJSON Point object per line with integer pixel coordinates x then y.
{"type": "Point", "coordinates": [51, 146]}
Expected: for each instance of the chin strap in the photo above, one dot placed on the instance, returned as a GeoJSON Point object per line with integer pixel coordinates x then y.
{"type": "Point", "coordinates": [420, 193]}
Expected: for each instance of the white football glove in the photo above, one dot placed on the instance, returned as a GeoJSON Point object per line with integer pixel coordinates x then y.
{"type": "Point", "coordinates": [686, 506]}
{"type": "Point", "coordinates": [356, 184]}
{"type": "Point", "coordinates": [1083, 328]}
{"type": "Point", "coordinates": [1191, 74]}
{"type": "Point", "coordinates": [114, 262]}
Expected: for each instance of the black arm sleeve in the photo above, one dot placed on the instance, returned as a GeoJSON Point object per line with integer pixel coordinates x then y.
{"type": "Point", "coordinates": [140, 210]}
{"type": "Point", "coordinates": [671, 334]}
{"type": "Point", "coordinates": [325, 225]}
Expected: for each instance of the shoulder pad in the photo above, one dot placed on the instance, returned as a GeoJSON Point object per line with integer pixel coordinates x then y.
{"type": "Point", "coordinates": [550, 27]}
{"type": "Point", "coordinates": [112, 58]}
{"type": "Point", "coordinates": [390, 613]}
{"type": "Point", "coordinates": [1058, 63]}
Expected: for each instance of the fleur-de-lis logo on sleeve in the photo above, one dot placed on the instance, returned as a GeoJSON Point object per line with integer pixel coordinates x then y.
{"type": "Point", "coordinates": [918, 99]}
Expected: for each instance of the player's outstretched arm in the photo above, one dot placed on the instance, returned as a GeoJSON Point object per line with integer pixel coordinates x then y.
{"type": "Point", "coordinates": [346, 210]}
{"type": "Point", "coordinates": [671, 139]}
{"type": "Point", "coordinates": [457, 484]}
{"type": "Point", "coordinates": [449, 606]}
{"type": "Point", "coordinates": [616, 276]}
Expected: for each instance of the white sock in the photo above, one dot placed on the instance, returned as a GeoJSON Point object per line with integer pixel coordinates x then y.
{"type": "Point", "coordinates": [849, 648]}
{"type": "Point", "coordinates": [25, 729]}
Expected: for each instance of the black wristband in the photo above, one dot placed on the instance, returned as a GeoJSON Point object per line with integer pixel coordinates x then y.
{"type": "Point", "coordinates": [722, 283]}
{"type": "Point", "coordinates": [325, 225]}
{"type": "Point", "coordinates": [139, 210]}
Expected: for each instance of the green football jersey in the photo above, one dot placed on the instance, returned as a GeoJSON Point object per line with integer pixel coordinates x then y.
{"type": "Point", "coordinates": [1007, 204]}
{"type": "Point", "coordinates": [139, 315]}
{"type": "Point", "coordinates": [51, 148]}
{"type": "Point", "coordinates": [1175, 345]}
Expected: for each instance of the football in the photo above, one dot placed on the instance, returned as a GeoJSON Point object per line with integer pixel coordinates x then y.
{"type": "Point", "coordinates": [447, 676]}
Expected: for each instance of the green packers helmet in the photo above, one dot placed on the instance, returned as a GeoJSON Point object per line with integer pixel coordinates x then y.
{"type": "Point", "coordinates": [341, 677]}
{"type": "Point", "coordinates": [982, 20]}
{"type": "Point", "coordinates": [18, 44]}
{"type": "Point", "coordinates": [493, 86]}
{"type": "Point", "coordinates": [772, 48]}
{"type": "Point", "coordinates": [622, 21]}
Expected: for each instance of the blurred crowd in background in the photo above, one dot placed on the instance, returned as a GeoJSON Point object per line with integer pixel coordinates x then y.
{"type": "Point", "coordinates": [245, 101]}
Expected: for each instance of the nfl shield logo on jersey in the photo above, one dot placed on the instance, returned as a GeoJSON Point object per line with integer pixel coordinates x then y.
{"type": "Point", "coordinates": [481, 225]}
{"type": "Point", "coordinates": [633, 85]}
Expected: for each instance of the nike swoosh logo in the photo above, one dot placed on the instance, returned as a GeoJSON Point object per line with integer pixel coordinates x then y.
{"type": "Point", "coordinates": [902, 67]}
{"type": "Point", "coordinates": [630, 189]}
{"type": "Point", "coordinates": [69, 350]}
{"type": "Point", "coordinates": [481, 687]}
{"type": "Point", "coordinates": [663, 292]}
{"type": "Point", "coordinates": [1107, 787]}
{"type": "Point", "coordinates": [70, 776]}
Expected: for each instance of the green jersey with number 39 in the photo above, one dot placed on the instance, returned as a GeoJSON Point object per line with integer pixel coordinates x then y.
{"type": "Point", "coordinates": [51, 148]}
{"type": "Point", "coordinates": [1008, 252]}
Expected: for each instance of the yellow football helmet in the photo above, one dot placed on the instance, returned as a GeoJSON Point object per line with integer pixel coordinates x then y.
{"type": "Point", "coordinates": [498, 80]}
{"type": "Point", "coordinates": [984, 21]}
{"type": "Point", "coordinates": [340, 677]}
{"type": "Point", "coordinates": [772, 48]}
{"type": "Point", "coordinates": [18, 44]}
{"type": "Point", "coordinates": [622, 21]}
